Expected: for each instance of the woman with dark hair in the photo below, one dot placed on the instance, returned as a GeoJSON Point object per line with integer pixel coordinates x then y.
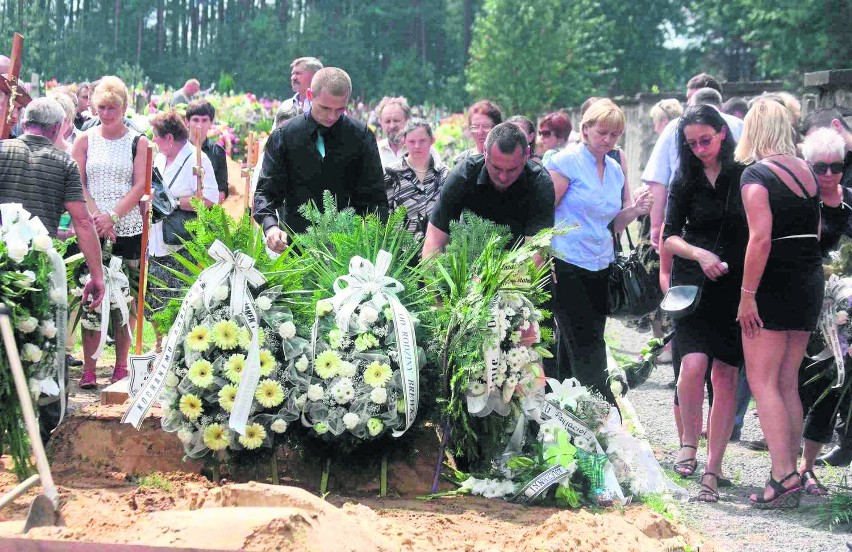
{"type": "Point", "coordinates": [554, 129]}
{"type": "Point", "coordinates": [705, 230]}
{"type": "Point", "coordinates": [529, 129]}
{"type": "Point", "coordinates": [481, 118]}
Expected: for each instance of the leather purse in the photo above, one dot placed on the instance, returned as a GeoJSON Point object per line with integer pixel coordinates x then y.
{"type": "Point", "coordinates": [632, 291]}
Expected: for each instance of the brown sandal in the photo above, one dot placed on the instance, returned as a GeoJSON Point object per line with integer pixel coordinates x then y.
{"type": "Point", "coordinates": [707, 493]}
{"type": "Point", "coordinates": [782, 497]}
{"type": "Point", "coordinates": [686, 468]}
{"type": "Point", "coordinates": [812, 485]}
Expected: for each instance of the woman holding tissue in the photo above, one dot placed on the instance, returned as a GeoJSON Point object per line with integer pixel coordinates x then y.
{"type": "Point", "coordinates": [706, 231]}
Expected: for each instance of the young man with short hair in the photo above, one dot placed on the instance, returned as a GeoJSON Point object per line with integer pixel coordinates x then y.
{"type": "Point", "coordinates": [200, 114]}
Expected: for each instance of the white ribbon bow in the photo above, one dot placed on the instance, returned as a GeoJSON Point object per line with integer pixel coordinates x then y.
{"type": "Point", "coordinates": [115, 282]}
{"type": "Point", "coordinates": [836, 290]}
{"type": "Point", "coordinates": [366, 278]}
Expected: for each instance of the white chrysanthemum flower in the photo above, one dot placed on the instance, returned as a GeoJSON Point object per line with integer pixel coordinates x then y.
{"type": "Point", "coordinates": [525, 312]}
{"type": "Point", "coordinates": [499, 379]}
{"type": "Point", "coordinates": [31, 353]}
{"type": "Point", "coordinates": [842, 317]}
{"type": "Point", "coordinates": [324, 307]}
{"type": "Point", "coordinates": [28, 325]}
{"type": "Point", "coordinates": [315, 392]}
{"type": "Point", "coordinates": [515, 337]}
{"type": "Point", "coordinates": [42, 242]}
{"type": "Point", "coordinates": [17, 249]}
{"type": "Point", "coordinates": [347, 370]}
{"type": "Point", "coordinates": [278, 426]}
{"type": "Point", "coordinates": [287, 330]}
{"type": "Point", "coordinates": [185, 436]}
{"type": "Point", "coordinates": [525, 325]}
{"type": "Point", "coordinates": [476, 388]}
{"type": "Point", "coordinates": [221, 293]}
{"type": "Point", "coordinates": [172, 380]}
{"type": "Point", "coordinates": [263, 303]}
{"type": "Point", "coordinates": [368, 315]}
{"type": "Point", "coordinates": [379, 395]}
{"type": "Point", "coordinates": [302, 364]}
{"type": "Point", "coordinates": [300, 401]}
{"type": "Point", "coordinates": [48, 329]}
{"type": "Point", "coordinates": [512, 381]}
{"type": "Point", "coordinates": [350, 420]}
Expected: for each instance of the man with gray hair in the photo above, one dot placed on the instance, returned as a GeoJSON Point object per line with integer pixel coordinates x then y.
{"type": "Point", "coordinates": [502, 185]}
{"type": "Point", "coordinates": [46, 182]}
{"type": "Point", "coordinates": [302, 71]}
{"type": "Point", "coordinates": [316, 151]}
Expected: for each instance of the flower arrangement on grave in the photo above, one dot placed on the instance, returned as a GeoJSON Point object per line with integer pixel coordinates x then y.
{"type": "Point", "coordinates": [33, 287]}
{"type": "Point", "coordinates": [490, 342]}
{"type": "Point", "coordinates": [363, 384]}
{"type": "Point", "coordinates": [232, 340]}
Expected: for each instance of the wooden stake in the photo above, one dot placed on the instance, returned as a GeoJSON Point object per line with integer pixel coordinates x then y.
{"type": "Point", "coordinates": [10, 85]}
{"type": "Point", "coordinates": [143, 258]}
{"type": "Point", "coordinates": [198, 169]}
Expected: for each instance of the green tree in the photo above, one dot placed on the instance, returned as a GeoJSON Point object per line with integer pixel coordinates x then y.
{"type": "Point", "coordinates": [533, 56]}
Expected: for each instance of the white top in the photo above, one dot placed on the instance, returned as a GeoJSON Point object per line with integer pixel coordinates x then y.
{"type": "Point", "coordinates": [183, 186]}
{"type": "Point", "coordinates": [109, 177]}
{"type": "Point", "coordinates": [390, 158]}
{"type": "Point", "coordinates": [664, 160]}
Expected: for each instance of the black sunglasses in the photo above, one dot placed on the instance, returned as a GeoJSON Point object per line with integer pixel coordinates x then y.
{"type": "Point", "coordinates": [822, 168]}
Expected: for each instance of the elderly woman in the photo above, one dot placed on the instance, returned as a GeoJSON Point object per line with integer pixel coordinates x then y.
{"type": "Point", "coordinates": [663, 112]}
{"type": "Point", "coordinates": [590, 191]}
{"type": "Point", "coordinates": [481, 118]}
{"type": "Point", "coordinates": [113, 183]}
{"type": "Point", "coordinates": [415, 181]}
{"type": "Point", "coordinates": [704, 231]}
{"type": "Point", "coordinates": [824, 150]}
{"type": "Point", "coordinates": [782, 287]}
{"type": "Point", "coordinates": [553, 130]}
{"type": "Point", "coordinates": [68, 106]}
{"type": "Point", "coordinates": [174, 161]}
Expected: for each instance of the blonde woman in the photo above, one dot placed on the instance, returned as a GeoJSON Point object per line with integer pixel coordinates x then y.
{"type": "Point", "coordinates": [782, 288]}
{"type": "Point", "coordinates": [113, 183]}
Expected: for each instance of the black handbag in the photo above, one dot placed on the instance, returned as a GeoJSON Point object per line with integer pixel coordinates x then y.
{"type": "Point", "coordinates": [632, 291]}
{"type": "Point", "coordinates": [174, 227]}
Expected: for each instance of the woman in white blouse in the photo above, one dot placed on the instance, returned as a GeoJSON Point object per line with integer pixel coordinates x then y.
{"type": "Point", "coordinates": [175, 160]}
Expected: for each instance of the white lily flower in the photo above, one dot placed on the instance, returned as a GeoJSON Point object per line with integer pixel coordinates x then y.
{"type": "Point", "coordinates": [566, 393]}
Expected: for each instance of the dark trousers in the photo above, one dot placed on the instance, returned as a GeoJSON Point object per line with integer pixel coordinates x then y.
{"type": "Point", "coordinates": [579, 307]}
{"type": "Point", "coordinates": [820, 414]}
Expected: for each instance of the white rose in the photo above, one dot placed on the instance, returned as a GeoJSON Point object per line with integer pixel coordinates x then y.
{"type": "Point", "coordinates": [278, 426]}
{"type": "Point", "coordinates": [172, 380]}
{"type": "Point", "coordinates": [287, 330]}
{"type": "Point", "coordinates": [29, 276]}
{"type": "Point", "coordinates": [42, 243]}
{"type": "Point", "coordinates": [48, 329]}
{"type": "Point", "coordinates": [324, 307]}
{"type": "Point", "coordinates": [302, 364]}
{"type": "Point", "coordinates": [31, 353]}
{"type": "Point", "coordinates": [17, 250]}
{"type": "Point", "coordinates": [28, 325]}
{"type": "Point", "coordinates": [185, 436]}
{"type": "Point", "coordinates": [842, 317]}
{"type": "Point", "coordinates": [300, 401]}
{"type": "Point", "coordinates": [221, 293]}
{"type": "Point", "coordinates": [57, 297]}
{"type": "Point", "coordinates": [350, 420]}
{"type": "Point", "coordinates": [379, 395]}
{"type": "Point", "coordinates": [315, 392]}
{"type": "Point", "coordinates": [346, 370]}
{"type": "Point", "coordinates": [368, 315]}
{"type": "Point", "coordinates": [263, 303]}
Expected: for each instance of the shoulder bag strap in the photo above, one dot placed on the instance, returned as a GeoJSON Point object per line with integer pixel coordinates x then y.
{"type": "Point", "coordinates": [177, 174]}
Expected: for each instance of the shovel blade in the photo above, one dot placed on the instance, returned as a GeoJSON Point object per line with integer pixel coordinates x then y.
{"type": "Point", "coordinates": [41, 514]}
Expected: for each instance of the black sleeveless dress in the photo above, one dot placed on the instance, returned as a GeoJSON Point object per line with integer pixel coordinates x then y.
{"type": "Point", "coordinates": [791, 290]}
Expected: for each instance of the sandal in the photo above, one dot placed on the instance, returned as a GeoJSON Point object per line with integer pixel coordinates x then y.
{"type": "Point", "coordinates": [782, 496]}
{"type": "Point", "coordinates": [686, 468]}
{"type": "Point", "coordinates": [708, 493]}
{"type": "Point", "coordinates": [89, 380]}
{"type": "Point", "coordinates": [812, 485]}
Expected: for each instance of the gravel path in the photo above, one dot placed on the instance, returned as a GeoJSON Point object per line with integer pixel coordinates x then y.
{"type": "Point", "coordinates": [731, 523]}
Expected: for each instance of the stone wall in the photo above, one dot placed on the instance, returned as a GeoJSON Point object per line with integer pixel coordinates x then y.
{"type": "Point", "coordinates": [827, 89]}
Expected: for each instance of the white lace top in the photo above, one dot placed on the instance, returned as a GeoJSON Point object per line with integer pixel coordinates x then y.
{"type": "Point", "coordinates": [109, 176]}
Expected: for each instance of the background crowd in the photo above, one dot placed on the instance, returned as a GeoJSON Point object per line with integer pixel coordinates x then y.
{"type": "Point", "coordinates": [744, 199]}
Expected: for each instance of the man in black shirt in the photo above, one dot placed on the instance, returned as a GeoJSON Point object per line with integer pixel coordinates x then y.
{"type": "Point", "coordinates": [200, 114]}
{"type": "Point", "coordinates": [317, 151]}
{"type": "Point", "coordinates": [503, 186]}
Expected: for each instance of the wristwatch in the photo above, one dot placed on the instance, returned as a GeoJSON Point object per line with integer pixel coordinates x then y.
{"type": "Point", "coordinates": [113, 216]}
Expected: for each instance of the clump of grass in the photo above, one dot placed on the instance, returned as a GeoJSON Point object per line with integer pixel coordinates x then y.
{"type": "Point", "coordinates": [663, 504]}
{"type": "Point", "coordinates": [155, 480]}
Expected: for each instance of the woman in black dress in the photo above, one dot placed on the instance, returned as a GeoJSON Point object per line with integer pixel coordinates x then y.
{"type": "Point", "coordinates": [705, 230]}
{"type": "Point", "coordinates": [782, 287]}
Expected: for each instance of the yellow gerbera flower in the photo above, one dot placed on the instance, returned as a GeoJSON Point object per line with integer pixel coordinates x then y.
{"type": "Point", "coordinates": [227, 396]}
{"type": "Point", "coordinates": [190, 406]}
{"type": "Point", "coordinates": [226, 334]}
{"type": "Point", "coordinates": [269, 393]}
{"type": "Point", "coordinates": [199, 338]}
{"type": "Point", "coordinates": [255, 434]}
{"type": "Point", "coordinates": [267, 362]}
{"type": "Point", "coordinates": [234, 367]}
{"type": "Point", "coordinates": [216, 437]}
{"type": "Point", "coordinates": [377, 374]}
{"type": "Point", "coordinates": [244, 338]}
{"type": "Point", "coordinates": [201, 373]}
{"type": "Point", "coordinates": [327, 364]}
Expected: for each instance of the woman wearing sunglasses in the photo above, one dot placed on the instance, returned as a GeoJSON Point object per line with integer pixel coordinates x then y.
{"type": "Point", "coordinates": [553, 131]}
{"type": "Point", "coordinates": [824, 150]}
{"type": "Point", "coordinates": [782, 287]}
{"type": "Point", "coordinates": [705, 230]}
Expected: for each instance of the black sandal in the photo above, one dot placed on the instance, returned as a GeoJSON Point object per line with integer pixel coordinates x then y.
{"type": "Point", "coordinates": [811, 484]}
{"type": "Point", "coordinates": [707, 493]}
{"type": "Point", "coordinates": [686, 468]}
{"type": "Point", "coordinates": [783, 497]}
